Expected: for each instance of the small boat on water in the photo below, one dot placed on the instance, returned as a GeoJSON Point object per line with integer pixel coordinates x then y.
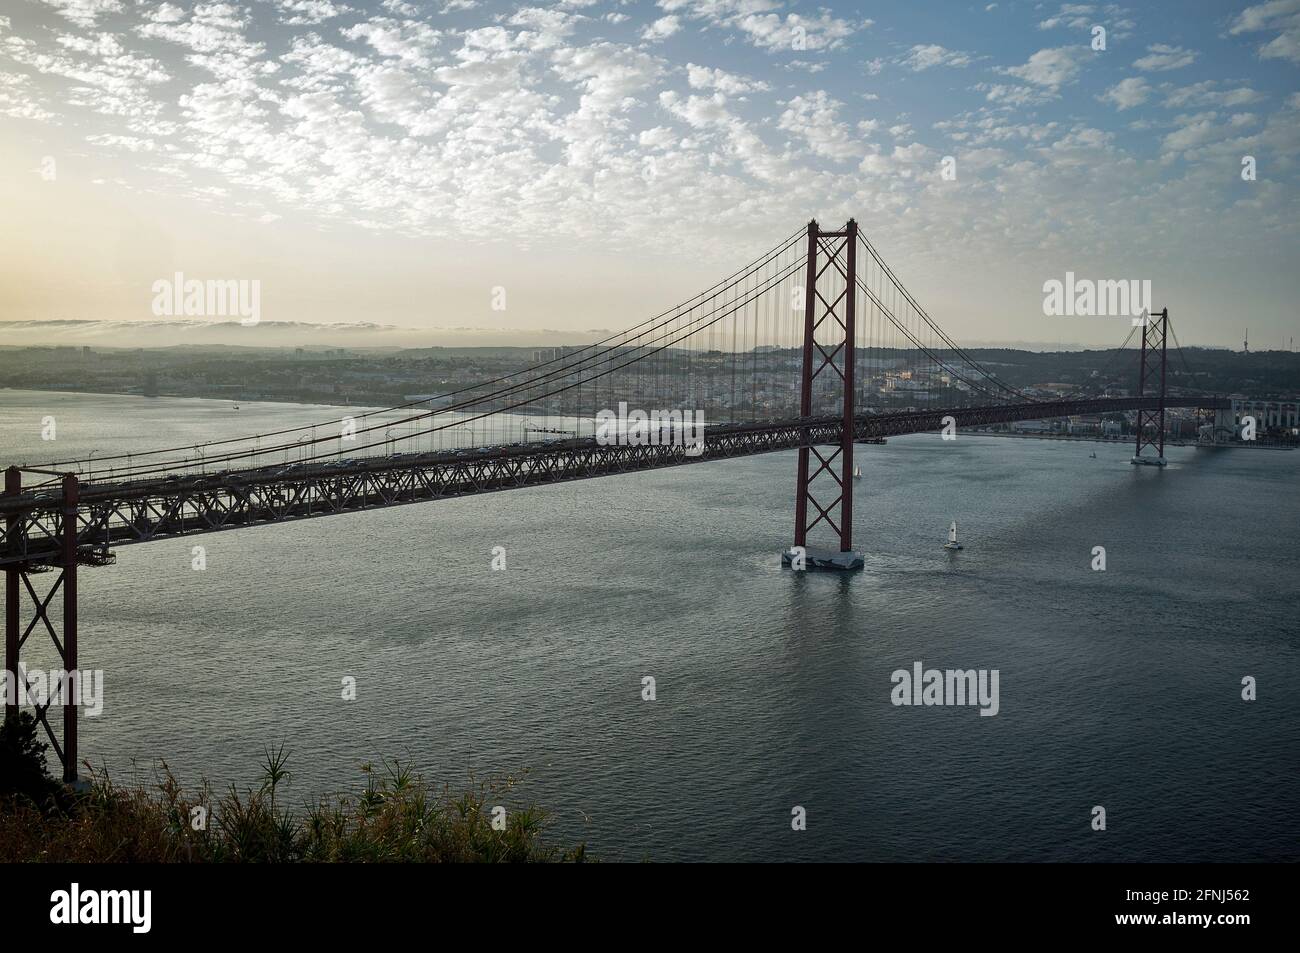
{"type": "Point", "coordinates": [952, 538]}
{"type": "Point", "coordinates": [857, 473]}
{"type": "Point", "coordinates": [1093, 455]}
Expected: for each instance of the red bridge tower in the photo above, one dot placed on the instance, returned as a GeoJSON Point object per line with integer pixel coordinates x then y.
{"type": "Point", "coordinates": [829, 331]}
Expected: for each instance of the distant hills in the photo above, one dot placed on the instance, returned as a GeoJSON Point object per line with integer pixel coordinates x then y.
{"type": "Point", "coordinates": [178, 332]}
{"type": "Point", "coordinates": [356, 335]}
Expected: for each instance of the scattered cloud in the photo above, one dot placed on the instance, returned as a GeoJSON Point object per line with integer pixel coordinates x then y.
{"type": "Point", "coordinates": [1161, 57]}
{"type": "Point", "coordinates": [1128, 93]}
{"type": "Point", "coordinates": [1052, 67]}
{"type": "Point", "coordinates": [662, 28]}
{"type": "Point", "coordinates": [702, 77]}
{"type": "Point", "coordinates": [1014, 95]}
{"type": "Point", "coordinates": [766, 24]}
{"type": "Point", "coordinates": [920, 58]}
{"type": "Point", "coordinates": [1076, 16]}
{"type": "Point", "coordinates": [817, 119]}
{"type": "Point", "coordinates": [1211, 93]}
{"type": "Point", "coordinates": [1278, 16]}
{"type": "Point", "coordinates": [84, 13]}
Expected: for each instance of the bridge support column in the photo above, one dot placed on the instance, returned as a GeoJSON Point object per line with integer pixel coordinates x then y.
{"type": "Point", "coordinates": [13, 487]}
{"type": "Point", "coordinates": [830, 299]}
{"type": "Point", "coordinates": [71, 496]}
{"type": "Point", "coordinates": [1151, 423]}
{"type": "Point", "coordinates": [1225, 425]}
{"type": "Point", "coordinates": [64, 686]}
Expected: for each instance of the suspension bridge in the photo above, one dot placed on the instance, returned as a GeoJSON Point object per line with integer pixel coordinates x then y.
{"type": "Point", "coordinates": [815, 346]}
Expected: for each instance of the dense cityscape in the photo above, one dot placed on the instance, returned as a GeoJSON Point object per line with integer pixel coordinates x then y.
{"type": "Point", "coordinates": [1265, 385]}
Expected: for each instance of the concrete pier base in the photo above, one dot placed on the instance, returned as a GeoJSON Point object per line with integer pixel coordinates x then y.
{"type": "Point", "coordinates": [815, 557]}
{"type": "Point", "coordinates": [1149, 461]}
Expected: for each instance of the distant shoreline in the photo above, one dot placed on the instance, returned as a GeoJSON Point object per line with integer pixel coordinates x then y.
{"type": "Point", "coordinates": [223, 399]}
{"type": "Point", "coordinates": [1128, 439]}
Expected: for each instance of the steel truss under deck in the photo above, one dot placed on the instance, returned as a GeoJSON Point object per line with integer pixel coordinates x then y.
{"type": "Point", "coordinates": [110, 515]}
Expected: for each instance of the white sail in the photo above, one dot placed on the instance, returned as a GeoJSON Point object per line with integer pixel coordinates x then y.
{"type": "Point", "coordinates": [952, 532]}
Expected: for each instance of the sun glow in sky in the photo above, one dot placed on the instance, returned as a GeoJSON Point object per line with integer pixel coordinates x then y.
{"type": "Point", "coordinates": [394, 162]}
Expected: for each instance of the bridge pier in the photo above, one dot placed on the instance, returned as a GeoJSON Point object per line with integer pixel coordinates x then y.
{"type": "Point", "coordinates": [1151, 423]}
{"type": "Point", "coordinates": [13, 487]}
{"type": "Point", "coordinates": [18, 580]}
{"type": "Point", "coordinates": [834, 356]}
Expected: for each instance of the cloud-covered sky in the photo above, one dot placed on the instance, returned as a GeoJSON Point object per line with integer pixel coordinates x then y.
{"type": "Point", "coordinates": [394, 161]}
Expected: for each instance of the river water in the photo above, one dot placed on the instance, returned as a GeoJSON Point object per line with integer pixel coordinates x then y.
{"type": "Point", "coordinates": [1118, 688]}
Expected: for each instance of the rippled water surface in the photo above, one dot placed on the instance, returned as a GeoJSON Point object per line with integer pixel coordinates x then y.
{"type": "Point", "coordinates": [1118, 688]}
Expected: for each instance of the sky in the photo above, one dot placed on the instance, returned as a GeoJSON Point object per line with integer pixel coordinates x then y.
{"type": "Point", "coordinates": [397, 164]}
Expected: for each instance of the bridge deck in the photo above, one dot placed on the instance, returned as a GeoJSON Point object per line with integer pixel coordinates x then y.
{"type": "Point", "coordinates": [117, 514]}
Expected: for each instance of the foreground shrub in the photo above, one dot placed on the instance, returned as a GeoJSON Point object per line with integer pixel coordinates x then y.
{"type": "Point", "coordinates": [397, 817]}
{"type": "Point", "coordinates": [22, 765]}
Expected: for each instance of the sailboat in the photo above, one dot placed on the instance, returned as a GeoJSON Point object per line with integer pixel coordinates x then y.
{"type": "Point", "coordinates": [857, 473]}
{"type": "Point", "coordinates": [1093, 456]}
{"type": "Point", "coordinates": [952, 538]}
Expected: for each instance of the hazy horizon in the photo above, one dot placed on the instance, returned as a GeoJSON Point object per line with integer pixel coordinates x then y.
{"type": "Point", "coordinates": [181, 332]}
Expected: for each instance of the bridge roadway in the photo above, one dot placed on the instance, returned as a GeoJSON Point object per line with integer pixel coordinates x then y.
{"type": "Point", "coordinates": [111, 514]}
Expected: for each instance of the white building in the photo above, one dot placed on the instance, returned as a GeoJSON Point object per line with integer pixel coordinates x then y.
{"type": "Point", "coordinates": [1268, 413]}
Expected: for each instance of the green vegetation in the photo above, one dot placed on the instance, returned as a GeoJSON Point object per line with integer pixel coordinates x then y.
{"type": "Point", "coordinates": [397, 817]}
